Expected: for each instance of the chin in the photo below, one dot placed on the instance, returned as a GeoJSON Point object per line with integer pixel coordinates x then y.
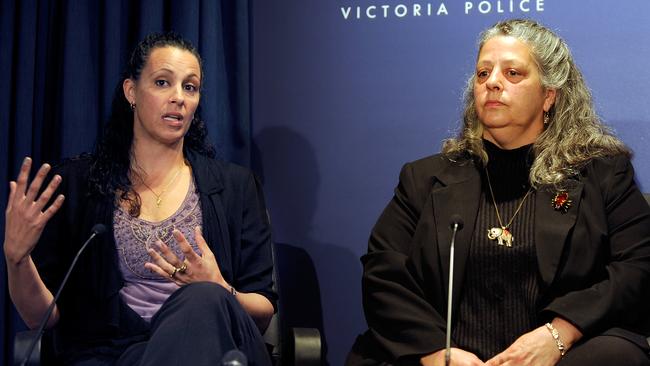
{"type": "Point", "coordinates": [494, 123]}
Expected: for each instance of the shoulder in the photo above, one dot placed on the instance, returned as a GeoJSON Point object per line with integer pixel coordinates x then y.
{"type": "Point", "coordinates": [75, 172]}
{"type": "Point", "coordinates": [432, 164]}
{"type": "Point", "coordinates": [74, 166]}
{"type": "Point", "coordinates": [602, 169]}
{"type": "Point", "coordinates": [217, 174]}
{"type": "Point", "coordinates": [610, 174]}
{"type": "Point", "coordinates": [437, 168]}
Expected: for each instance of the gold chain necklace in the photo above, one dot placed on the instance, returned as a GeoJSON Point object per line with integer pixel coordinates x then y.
{"type": "Point", "coordinates": [159, 195]}
{"type": "Point", "coordinates": [502, 234]}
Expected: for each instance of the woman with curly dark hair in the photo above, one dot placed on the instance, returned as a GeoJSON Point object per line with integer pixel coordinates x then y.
{"type": "Point", "coordinates": [184, 274]}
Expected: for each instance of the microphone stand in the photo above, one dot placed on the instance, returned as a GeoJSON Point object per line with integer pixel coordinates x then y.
{"type": "Point", "coordinates": [96, 230]}
{"type": "Point", "coordinates": [456, 225]}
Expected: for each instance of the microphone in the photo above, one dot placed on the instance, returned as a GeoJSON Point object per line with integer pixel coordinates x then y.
{"type": "Point", "coordinates": [97, 229]}
{"type": "Point", "coordinates": [234, 358]}
{"type": "Point", "coordinates": [455, 224]}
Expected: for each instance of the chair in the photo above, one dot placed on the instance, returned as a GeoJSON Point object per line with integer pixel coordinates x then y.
{"type": "Point", "coordinates": [287, 347]}
{"type": "Point", "coordinates": [295, 345]}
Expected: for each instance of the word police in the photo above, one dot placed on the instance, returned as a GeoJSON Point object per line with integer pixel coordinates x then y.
{"type": "Point", "coordinates": [440, 9]}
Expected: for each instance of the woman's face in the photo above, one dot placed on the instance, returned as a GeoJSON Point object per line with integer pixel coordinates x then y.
{"type": "Point", "coordinates": [508, 93]}
{"type": "Point", "coordinates": [166, 96]}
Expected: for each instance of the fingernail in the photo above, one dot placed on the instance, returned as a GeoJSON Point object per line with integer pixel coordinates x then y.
{"type": "Point", "coordinates": [27, 160]}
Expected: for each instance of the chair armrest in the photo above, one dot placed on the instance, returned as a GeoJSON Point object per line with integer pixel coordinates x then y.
{"type": "Point", "coordinates": [307, 347]}
{"type": "Point", "coordinates": [22, 341]}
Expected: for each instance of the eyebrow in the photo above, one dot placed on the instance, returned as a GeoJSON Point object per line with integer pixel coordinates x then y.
{"type": "Point", "coordinates": [509, 61]}
{"type": "Point", "coordinates": [164, 69]}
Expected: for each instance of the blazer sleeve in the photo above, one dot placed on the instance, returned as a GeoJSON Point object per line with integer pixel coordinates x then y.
{"type": "Point", "coordinates": [398, 314]}
{"type": "Point", "coordinates": [617, 296]}
{"type": "Point", "coordinates": [255, 260]}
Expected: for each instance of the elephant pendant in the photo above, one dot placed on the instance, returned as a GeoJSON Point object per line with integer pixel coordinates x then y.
{"type": "Point", "coordinates": [502, 235]}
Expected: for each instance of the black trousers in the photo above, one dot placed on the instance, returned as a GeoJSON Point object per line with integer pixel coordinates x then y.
{"type": "Point", "coordinates": [606, 350]}
{"type": "Point", "coordinates": [196, 326]}
{"type": "Point", "coordinates": [602, 350]}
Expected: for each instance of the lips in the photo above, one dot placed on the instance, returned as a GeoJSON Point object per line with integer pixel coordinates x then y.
{"type": "Point", "coordinates": [494, 103]}
{"type": "Point", "coordinates": [173, 117]}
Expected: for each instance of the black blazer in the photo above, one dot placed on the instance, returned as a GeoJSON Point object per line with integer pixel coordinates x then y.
{"type": "Point", "coordinates": [594, 260]}
{"type": "Point", "coordinates": [93, 316]}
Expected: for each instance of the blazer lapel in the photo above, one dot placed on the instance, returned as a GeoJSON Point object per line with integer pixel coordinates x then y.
{"type": "Point", "coordinates": [457, 192]}
{"type": "Point", "coordinates": [210, 184]}
{"type": "Point", "coordinates": [551, 229]}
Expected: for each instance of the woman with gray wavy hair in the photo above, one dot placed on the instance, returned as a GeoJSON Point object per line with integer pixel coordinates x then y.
{"type": "Point", "coordinates": [553, 265]}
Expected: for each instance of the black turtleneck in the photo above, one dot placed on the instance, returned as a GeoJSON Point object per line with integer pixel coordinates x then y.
{"type": "Point", "coordinates": [508, 170]}
{"type": "Point", "coordinates": [501, 285]}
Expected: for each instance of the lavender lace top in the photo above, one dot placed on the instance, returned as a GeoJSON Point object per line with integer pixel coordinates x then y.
{"type": "Point", "coordinates": [145, 291]}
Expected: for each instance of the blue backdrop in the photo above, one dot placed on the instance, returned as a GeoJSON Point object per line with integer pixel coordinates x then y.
{"type": "Point", "coordinates": [344, 92]}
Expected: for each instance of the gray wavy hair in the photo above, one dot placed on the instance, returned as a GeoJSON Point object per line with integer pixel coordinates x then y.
{"type": "Point", "coordinates": [574, 134]}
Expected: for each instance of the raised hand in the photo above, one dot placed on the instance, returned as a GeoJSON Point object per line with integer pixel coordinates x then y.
{"type": "Point", "coordinates": [27, 212]}
{"type": "Point", "coordinates": [194, 268]}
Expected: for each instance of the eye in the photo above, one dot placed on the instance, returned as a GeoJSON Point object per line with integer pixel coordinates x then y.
{"type": "Point", "coordinates": [191, 87]}
{"type": "Point", "coordinates": [482, 74]}
{"type": "Point", "coordinates": [161, 82]}
{"type": "Point", "coordinates": [514, 75]}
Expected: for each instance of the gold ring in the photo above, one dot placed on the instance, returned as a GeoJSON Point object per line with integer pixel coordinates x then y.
{"type": "Point", "coordinates": [182, 268]}
{"type": "Point", "coordinates": [174, 272]}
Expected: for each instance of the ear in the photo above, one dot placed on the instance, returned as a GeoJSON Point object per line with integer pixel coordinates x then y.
{"type": "Point", "coordinates": [128, 86]}
{"type": "Point", "coordinates": [549, 99]}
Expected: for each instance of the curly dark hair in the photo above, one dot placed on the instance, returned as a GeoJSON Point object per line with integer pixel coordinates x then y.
{"type": "Point", "coordinates": [111, 159]}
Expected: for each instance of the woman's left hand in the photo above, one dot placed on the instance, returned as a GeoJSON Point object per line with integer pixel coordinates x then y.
{"type": "Point", "coordinates": [194, 268]}
{"type": "Point", "coordinates": [533, 348]}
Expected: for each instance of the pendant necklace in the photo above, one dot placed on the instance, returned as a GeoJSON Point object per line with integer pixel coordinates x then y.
{"type": "Point", "coordinates": [502, 234]}
{"type": "Point", "coordinates": [159, 195]}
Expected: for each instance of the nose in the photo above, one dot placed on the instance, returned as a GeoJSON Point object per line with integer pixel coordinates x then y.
{"type": "Point", "coordinates": [177, 96]}
{"type": "Point", "coordinates": [494, 81]}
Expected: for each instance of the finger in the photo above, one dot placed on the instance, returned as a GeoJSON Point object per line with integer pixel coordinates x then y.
{"type": "Point", "coordinates": [185, 246]}
{"type": "Point", "coordinates": [156, 269]}
{"type": "Point", "coordinates": [168, 255]}
{"type": "Point", "coordinates": [44, 198]}
{"type": "Point", "coordinates": [12, 193]}
{"type": "Point", "coordinates": [23, 175]}
{"type": "Point", "coordinates": [200, 241]}
{"type": "Point", "coordinates": [54, 207]}
{"type": "Point", "coordinates": [161, 262]}
{"type": "Point", "coordinates": [162, 273]}
{"type": "Point", "coordinates": [496, 360]}
{"type": "Point", "coordinates": [35, 185]}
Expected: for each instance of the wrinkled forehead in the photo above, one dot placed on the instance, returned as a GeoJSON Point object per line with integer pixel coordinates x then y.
{"type": "Point", "coordinates": [173, 59]}
{"type": "Point", "coordinates": [506, 47]}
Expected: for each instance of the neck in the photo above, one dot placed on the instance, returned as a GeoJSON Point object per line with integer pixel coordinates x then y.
{"type": "Point", "coordinates": [154, 161]}
{"type": "Point", "coordinates": [509, 170]}
{"type": "Point", "coordinates": [504, 138]}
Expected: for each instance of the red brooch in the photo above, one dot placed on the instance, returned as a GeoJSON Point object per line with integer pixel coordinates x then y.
{"type": "Point", "coordinates": [561, 202]}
